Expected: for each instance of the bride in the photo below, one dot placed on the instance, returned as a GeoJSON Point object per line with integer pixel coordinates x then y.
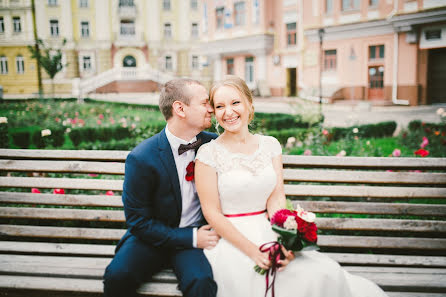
{"type": "Point", "coordinates": [239, 181]}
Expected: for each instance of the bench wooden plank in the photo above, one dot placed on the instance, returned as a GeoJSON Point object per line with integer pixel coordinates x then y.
{"type": "Point", "coordinates": [364, 163]}
{"type": "Point", "coordinates": [322, 223]}
{"type": "Point", "coordinates": [62, 166]}
{"type": "Point", "coordinates": [323, 241]}
{"type": "Point", "coordinates": [364, 177]}
{"type": "Point", "coordinates": [79, 285]}
{"type": "Point", "coordinates": [103, 250]}
{"type": "Point", "coordinates": [315, 206]}
{"type": "Point", "coordinates": [364, 191]}
{"type": "Point", "coordinates": [414, 294]}
{"type": "Point", "coordinates": [61, 183]}
{"type": "Point", "coordinates": [92, 155]}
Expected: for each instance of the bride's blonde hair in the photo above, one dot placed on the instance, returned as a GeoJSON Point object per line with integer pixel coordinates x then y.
{"type": "Point", "coordinates": [237, 83]}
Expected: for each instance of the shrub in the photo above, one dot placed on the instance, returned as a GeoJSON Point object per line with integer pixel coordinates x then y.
{"type": "Point", "coordinates": [75, 136]}
{"type": "Point", "coordinates": [58, 136]}
{"type": "Point", "coordinates": [42, 141]}
{"type": "Point", "coordinates": [21, 139]}
{"type": "Point", "coordinates": [4, 135]}
{"type": "Point", "coordinates": [383, 129]}
{"type": "Point", "coordinates": [283, 135]}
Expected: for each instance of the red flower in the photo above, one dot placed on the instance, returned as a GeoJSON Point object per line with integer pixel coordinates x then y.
{"type": "Point", "coordinates": [421, 153]}
{"type": "Point", "coordinates": [311, 234]}
{"type": "Point", "coordinates": [35, 191]}
{"type": "Point", "coordinates": [302, 226]}
{"type": "Point", "coordinates": [59, 191]}
{"type": "Point", "coordinates": [109, 193]}
{"type": "Point", "coordinates": [190, 171]}
{"type": "Point", "coordinates": [280, 217]}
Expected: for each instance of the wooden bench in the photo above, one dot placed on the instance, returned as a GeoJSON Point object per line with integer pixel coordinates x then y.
{"type": "Point", "coordinates": [388, 226]}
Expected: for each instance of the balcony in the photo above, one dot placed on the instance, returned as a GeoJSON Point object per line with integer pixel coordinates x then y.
{"type": "Point", "coordinates": [127, 11]}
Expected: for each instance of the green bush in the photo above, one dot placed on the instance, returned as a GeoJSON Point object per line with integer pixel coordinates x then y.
{"type": "Point", "coordinates": [283, 135]}
{"type": "Point", "coordinates": [75, 137]}
{"type": "Point", "coordinates": [21, 139]}
{"type": "Point", "coordinates": [41, 142]}
{"type": "Point", "coordinates": [379, 130]}
{"type": "Point", "coordinates": [123, 144]}
{"type": "Point", "coordinates": [58, 136]}
{"type": "Point", "coordinates": [4, 135]}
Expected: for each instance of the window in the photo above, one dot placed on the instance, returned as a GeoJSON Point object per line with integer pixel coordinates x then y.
{"type": "Point", "coordinates": [127, 28]}
{"type": "Point", "coordinates": [194, 4]}
{"type": "Point", "coordinates": [83, 3]}
{"type": "Point", "coordinates": [86, 63]}
{"type": "Point", "coordinates": [3, 65]}
{"type": "Point", "coordinates": [85, 29]}
{"type": "Point", "coordinates": [328, 6]}
{"type": "Point", "coordinates": [2, 25]}
{"type": "Point", "coordinates": [20, 64]}
{"type": "Point", "coordinates": [52, 2]}
{"type": "Point", "coordinates": [129, 3]}
{"type": "Point", "coordinates": [167, 31]}
{"type": "Point", "coordinates": [129, 61]}
{"type": "Point", "coordinates": [433, 34]}
{"type": "Point", "coordinates": [16, 24]}
{"type": "Point", "coordinates": [376, 52]}
{"type": "Point", "coordinates": [291, 33]}
{"type": "Point", "coordinates": [166, 4]}
{"type": "Point", "coordinates": [230, 66]}
{"type": "Point", "coordinates": [256, 13]}
{"type": "Point", "coordinates": [168, 63]}
{"type": "Point", "coordinates": [194, 31]}
{"type": "Point", "coordinates": [350, 4]}
{"type": "Point", "coordinates": [54, 28]}
{"type": "Point", "coordinates": [249, 70]}
{"type": "Point", "coordinates": [373, 3]}
{"type": "Point", "coordinates": [239, 13]}
{"type": "Point", "coordinates": [330, 60]}
{"type": "Point", "coordinates": [195, 62]}
{"type": "Point", "coordinates": [220, 15]}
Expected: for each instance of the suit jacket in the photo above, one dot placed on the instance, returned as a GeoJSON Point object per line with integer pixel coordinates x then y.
{"type": "Point", "coordinates": [152, 195]}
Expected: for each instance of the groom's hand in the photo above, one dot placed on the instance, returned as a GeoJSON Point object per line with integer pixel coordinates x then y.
{"type": "Point", "coordinates": [206, 237]}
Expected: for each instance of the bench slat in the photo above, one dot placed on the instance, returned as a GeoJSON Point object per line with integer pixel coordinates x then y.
{"type": "Point", "coordinates": [323, 241]}
{"type": "Point", "coordinates": [61, 199]}
{"type": "Point", "coordinates": [92, 155]}
{"type": "Point", "coordinates": [61, 183]}
{"type": "Point", "coordinates": [315, 206]}
{"type": "Point", "coordinates": [322, 223]}
{"type": "Point", "coordinates": [79, 285]}
{"type": "Point", "coordinates": [62, 166]}
{"type": "Point", "coordinates": [364, 191]}
{"type": "Point", "coordinates": [416, 294]}
{"type": "Point", "coordinates": [364, 177]}
{"type": "Point", "coordinates": [364, 162]}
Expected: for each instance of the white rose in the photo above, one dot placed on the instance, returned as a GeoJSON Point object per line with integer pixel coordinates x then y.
{"type": "Point", "coordinates": [355, 130]}
{"type": "Point", "coordinates": [3, 120]}
{"type": "Point", "coordinates": [440, 111]}
{"type": "Point", "coordinates": [290, 223]}
{"type": "Point", "coordinates": [45, 132]}
{"type": "Point", "coordinates": [307, 216]}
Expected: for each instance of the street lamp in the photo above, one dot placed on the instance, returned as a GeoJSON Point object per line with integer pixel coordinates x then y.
{"type": "Point", "coordinates": [321, 33]}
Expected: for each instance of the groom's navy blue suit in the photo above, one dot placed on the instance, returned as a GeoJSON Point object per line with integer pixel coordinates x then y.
{"type": "Point", "coordinates": [153, 205]}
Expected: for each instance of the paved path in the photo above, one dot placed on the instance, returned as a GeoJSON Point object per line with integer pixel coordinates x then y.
{"type": "Point", "coordinates": [341, 114]}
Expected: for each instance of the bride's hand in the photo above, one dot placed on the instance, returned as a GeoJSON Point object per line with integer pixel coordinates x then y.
{"type": "Point", "coordinates": [289, 256]}
{"type": "Point", "coordinates": [261, 259]}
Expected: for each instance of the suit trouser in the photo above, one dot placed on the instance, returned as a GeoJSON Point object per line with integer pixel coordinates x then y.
{"type": "Point", "coordinates": [135, 262]}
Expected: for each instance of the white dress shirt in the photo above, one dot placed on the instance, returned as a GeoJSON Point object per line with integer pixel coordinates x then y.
{"type": "Point", "coordinates": [191, 210]}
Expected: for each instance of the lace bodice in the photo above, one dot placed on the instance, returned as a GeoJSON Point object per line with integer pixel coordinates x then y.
{"type": "Point", "coordinates": [245, 182]}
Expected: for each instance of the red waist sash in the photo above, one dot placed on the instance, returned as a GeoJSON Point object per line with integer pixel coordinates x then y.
{"type": "Point", "coordinates": [245, 214]}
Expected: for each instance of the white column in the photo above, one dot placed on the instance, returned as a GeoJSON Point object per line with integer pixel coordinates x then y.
{"type": "Point", "coordinates": [184, 21]}
{"type": "Point", "coordinates": [29, 25]}
{"type": "Point", "coordinates": [217, 67]}
{"type": "Point", "coordinates": [42, 22]}
{"type": "Point", "coordinates": [260, 69]}
{"type": "Point", "coordinates": [102, 16]}
{"type": "Point", "coordinates": [153, 20]}
{"type": "Point", "coordinates": [66, 21]}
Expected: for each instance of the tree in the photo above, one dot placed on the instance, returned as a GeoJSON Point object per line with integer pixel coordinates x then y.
{"type": "Point", "coordinates": [49, 58]}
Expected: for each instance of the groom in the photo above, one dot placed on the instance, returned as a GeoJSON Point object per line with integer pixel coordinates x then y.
{"type": "Point", "coordinates": [162, 210]}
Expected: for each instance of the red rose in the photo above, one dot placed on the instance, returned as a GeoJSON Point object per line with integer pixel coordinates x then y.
{"type": "Point", "coordinates": [190, 171]}
{"type": "Point", "coordinates": [35, 191]}
{"type": "Point", "coordinates": [311, 234]}
{"type": "Point", "coordinates": [302, 225]}
{"type": "Point", "coordinates": [421, 153]}
{"type": "Point", "coordinates": [280, 217]}
{"type": "Point", "coordinates": [59, 191]}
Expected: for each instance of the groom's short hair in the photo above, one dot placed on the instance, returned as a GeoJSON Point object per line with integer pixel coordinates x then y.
{"type": "Point", "coordinates": [174, 90]}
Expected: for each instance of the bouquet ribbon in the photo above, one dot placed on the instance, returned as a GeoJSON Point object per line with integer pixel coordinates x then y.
{"type": "Point", "coordinates": [275, 254]}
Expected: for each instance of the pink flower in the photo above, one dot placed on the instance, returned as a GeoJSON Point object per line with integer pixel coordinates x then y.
{"type": "Point", "coordinates": [35, 191]}
{"type": "Point", "coordinates": [424, 143]}
{"type": "Point", "coordinates": [280, 217]}
{"type": "Point", "coordinates": [396, 153]}
{"type": "Point", "coordinates": [109, 193]}
{"type": "Point", "coordinates": [325, 132]}
{"type": "Point", "coordinates": [98, 122]}
{"type": "Point", "coordinates": [101, 116]}
{"type": "Point", "coordinates": [93, 174]}
{"type": "Point", "coordinates": [76, 113]}
{"type": "Point", "coordinates": [57, 120]}
{"type": "Point", "coordinates": [307, 152]}
{"type": "Point", "coordinates": [421, 153]}
{"type": "Point", "coordinates": [59, 191]}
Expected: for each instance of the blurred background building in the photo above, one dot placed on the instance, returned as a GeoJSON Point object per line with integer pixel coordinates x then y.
{"type": "Point", "coordinates": [385, 51]}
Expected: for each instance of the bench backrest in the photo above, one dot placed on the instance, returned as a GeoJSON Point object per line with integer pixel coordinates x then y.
{"type": "Point", "coordinates": [393, 206]}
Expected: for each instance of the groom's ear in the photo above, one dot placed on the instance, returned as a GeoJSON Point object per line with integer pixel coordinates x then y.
{"type": "Point", "coordinates": [178, 109]}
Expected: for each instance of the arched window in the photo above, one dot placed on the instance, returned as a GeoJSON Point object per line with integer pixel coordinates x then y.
{"type": "Point", "coordinates": [129, 61]}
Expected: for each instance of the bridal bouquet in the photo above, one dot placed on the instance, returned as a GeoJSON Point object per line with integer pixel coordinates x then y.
{"type": "Point", "coordinates": [297, 231]}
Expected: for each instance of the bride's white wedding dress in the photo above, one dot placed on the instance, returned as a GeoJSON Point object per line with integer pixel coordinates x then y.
{"type": "Point", "coordinates": [244, 185]}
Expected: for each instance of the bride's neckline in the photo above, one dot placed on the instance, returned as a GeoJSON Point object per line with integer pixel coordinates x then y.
{"type": "Point", "coordinates": [240, 153]}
